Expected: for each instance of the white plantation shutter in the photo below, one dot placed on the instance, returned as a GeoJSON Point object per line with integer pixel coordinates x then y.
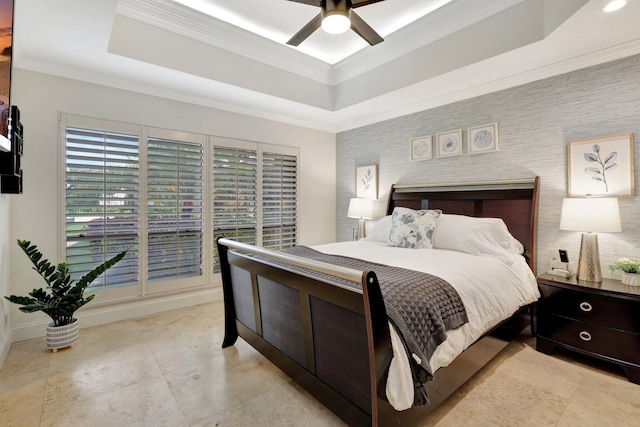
{"type": "Point", "coordinates": [174, 209]}
{"type": "Point", "coordinates": [102, 203]}
{"type": "Point", "coordinates": [235, 204]}
{"type": "Point", "coordinates": [279, 200]}
{"type": "Point", "coordinates": [166, 200]}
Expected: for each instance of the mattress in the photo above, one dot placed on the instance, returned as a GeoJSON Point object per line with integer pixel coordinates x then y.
{"type": "Point", "coordinates": [492, 288]}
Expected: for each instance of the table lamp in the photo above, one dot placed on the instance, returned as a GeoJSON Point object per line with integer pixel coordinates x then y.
{"type": "Point", "coordinates": [361, 209]}
{"type": "Point", "coordinates": [590, 215]}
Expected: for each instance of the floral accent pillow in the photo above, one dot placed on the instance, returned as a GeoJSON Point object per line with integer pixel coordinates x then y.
{"type": "Point", "coordinates": [413, 229]}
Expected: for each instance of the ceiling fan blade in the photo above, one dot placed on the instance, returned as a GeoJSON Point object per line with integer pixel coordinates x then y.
{"type": "Point", "coordinates": [310, 2]}
{"type": "Point", "coordinates": [306, 31]}
{"type": "Point", "coordinates": [359, 3]}
{"type": "Point", "coordinates": [364, 30]}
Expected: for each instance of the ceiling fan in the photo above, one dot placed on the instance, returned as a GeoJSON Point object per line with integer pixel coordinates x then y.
{"type": "Point", "coordinates": [337, 17]}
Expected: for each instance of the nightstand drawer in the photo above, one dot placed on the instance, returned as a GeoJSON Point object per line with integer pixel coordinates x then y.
{"type": "Point", "coordinates": [601, 310]}
{"type": "Point", "coordinates": [602, 341]}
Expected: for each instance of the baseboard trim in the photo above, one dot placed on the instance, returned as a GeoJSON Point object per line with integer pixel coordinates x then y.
{"type": "Point", "coordinates": [102, 314]}
{"type": "Point", "coordinates": [5, 344]}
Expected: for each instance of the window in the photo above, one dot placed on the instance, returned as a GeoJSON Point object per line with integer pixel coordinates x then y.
{"type": "Point", "coordinates": [279, 200]}
{"type": "Point", "coordinates": [102, 203]}
{"type": "Point", "coordinates": [166, 200]}
{"type": "Point", "coordinates": [174, 209]}
{"type": "Point", "coordinates": [235, 204]}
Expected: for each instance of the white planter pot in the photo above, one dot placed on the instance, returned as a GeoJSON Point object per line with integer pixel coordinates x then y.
{"type": "Point", "coordinates": [62, 336]}
{"type": "Point", "coordinates": [630, 279]}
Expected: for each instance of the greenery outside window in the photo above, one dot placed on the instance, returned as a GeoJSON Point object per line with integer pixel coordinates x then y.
{"type": "Point", "coordinates": [166, 201]}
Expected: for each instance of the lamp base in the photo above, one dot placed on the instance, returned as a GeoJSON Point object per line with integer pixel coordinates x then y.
{"type": "Point", "coordinates": [361, 229]}
{"type": "Point", "coordinates": [589, 261]}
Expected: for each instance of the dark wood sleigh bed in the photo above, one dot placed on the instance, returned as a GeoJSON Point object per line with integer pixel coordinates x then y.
{"type": "Point", "coordinates": [334, 340]}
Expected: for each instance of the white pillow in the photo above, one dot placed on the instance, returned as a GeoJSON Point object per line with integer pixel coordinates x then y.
{"type": "Point", "coordinates": [413, 229]}
{"type": "Point", "coordinates": [380, 231]}
{"type": "Point", "coordinates": [476, 236]}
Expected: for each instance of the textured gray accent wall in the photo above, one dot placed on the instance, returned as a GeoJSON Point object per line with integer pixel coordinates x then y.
{"type": "Point", "coordinates": [536, 121]}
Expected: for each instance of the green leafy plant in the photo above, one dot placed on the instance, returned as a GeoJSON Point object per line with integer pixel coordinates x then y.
{"type": "Point", "coordinates": [62, 296]}
{"type": "Point", "coordinates": [627, 265]}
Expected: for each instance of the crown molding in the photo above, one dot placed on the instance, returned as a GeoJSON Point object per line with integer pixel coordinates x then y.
{"type": "Point", "coordinates": [436, 25]}
{"type": "Point", "coordinates": [575, 63]}
{"type": "Point", "coordinates": [341, 121]}
{"type": "Point", "coordinates": [251, 104]}
{"type": "Point", "coordinates": [177, 18]}
{"type": "Point", "coordinates": [443, 21]}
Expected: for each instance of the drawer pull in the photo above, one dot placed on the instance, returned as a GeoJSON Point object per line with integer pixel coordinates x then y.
{"type": "Point", "coordinates": [585, 306]}
{"type": "Point", "coordinates": [585, 336]}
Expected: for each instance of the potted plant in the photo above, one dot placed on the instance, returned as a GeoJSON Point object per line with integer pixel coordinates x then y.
{"type": "Point", "coordinates": [61, 297]}
{"type": "Point", "coordinates": [630, 271]}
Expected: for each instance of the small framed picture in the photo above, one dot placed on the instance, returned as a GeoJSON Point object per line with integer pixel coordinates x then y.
{"type": "Point", "coordinates": [421, 148]}
{"type": "Point", "coordinates": [450, 143]}
{"type": "Point", "coordinates": [601, 167]}
{"type": "Point", "coordinates": [367, 182]}
{"type": "Point", "coordinates": [483, 139]}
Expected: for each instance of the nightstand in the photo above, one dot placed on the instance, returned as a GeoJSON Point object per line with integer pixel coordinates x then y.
{"type": "Point", "coordinates": [597, 319]}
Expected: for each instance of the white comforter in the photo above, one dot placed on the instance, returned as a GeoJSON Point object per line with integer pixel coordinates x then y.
{"type": "Point", "coordinates": [491, 288]}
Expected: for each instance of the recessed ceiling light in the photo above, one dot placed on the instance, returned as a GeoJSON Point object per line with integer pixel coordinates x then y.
{"type": "Point", "coordinates": [614, 5]}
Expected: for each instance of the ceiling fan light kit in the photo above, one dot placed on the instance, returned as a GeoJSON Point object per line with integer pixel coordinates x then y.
{"type": "Point", "coordinates": [336, 21]}
{"type": "Point", "coordinates": [336, 17]}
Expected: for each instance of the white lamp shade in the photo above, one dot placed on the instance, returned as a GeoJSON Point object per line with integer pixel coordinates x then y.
{"type": "Point", "coordinates": [591, 214]}
{"type": "Point", "coordinates": [360, 208]}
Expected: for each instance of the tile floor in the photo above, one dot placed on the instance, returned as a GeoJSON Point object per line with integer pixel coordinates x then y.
{"type": "Point", "coordinates": [169, 370]}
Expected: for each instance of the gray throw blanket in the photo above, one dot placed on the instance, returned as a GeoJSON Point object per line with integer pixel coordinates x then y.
{"type": "Point", "coordinates": [421, 306]}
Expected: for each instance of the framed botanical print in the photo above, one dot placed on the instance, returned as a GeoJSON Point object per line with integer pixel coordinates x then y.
{"type": "Point", "coordinates": [601, 167]}
{"type": "Point", "coordinates": [367, 182]}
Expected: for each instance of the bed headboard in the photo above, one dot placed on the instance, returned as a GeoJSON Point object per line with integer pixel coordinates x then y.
{"type": "Point", "coordinates": [515, 201]}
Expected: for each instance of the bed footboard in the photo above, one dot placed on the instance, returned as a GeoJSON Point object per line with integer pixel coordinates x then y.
{"type": "Point", "coordinates": [331, 339]}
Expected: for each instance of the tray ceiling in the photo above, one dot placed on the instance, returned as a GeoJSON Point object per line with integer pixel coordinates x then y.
{"type": "Point", "coordinates": [232, 55]}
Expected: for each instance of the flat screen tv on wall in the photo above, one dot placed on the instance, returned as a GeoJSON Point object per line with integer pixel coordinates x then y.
{"type": "Point", "coordinates": [6, 42]}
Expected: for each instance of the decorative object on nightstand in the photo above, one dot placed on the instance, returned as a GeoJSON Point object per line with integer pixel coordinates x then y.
{"type": "Point", "coordinates": [563, 267]}
{"type": "Point", "coordinates": [361, 209]}
{"type": "Point", "coordinates": [631, 279]}
{"type": "Point", "coordinates": [590, 215]}
{"type": "Point", "coordinates": [597, 319]}
{"type": "Point", "coordinates": [630, 271]}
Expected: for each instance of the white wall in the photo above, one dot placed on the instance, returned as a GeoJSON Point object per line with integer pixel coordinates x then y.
{"type": "Point", "coordinates": [35, 215]}
{"type": "Point", "coordinates": [5, 330]}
